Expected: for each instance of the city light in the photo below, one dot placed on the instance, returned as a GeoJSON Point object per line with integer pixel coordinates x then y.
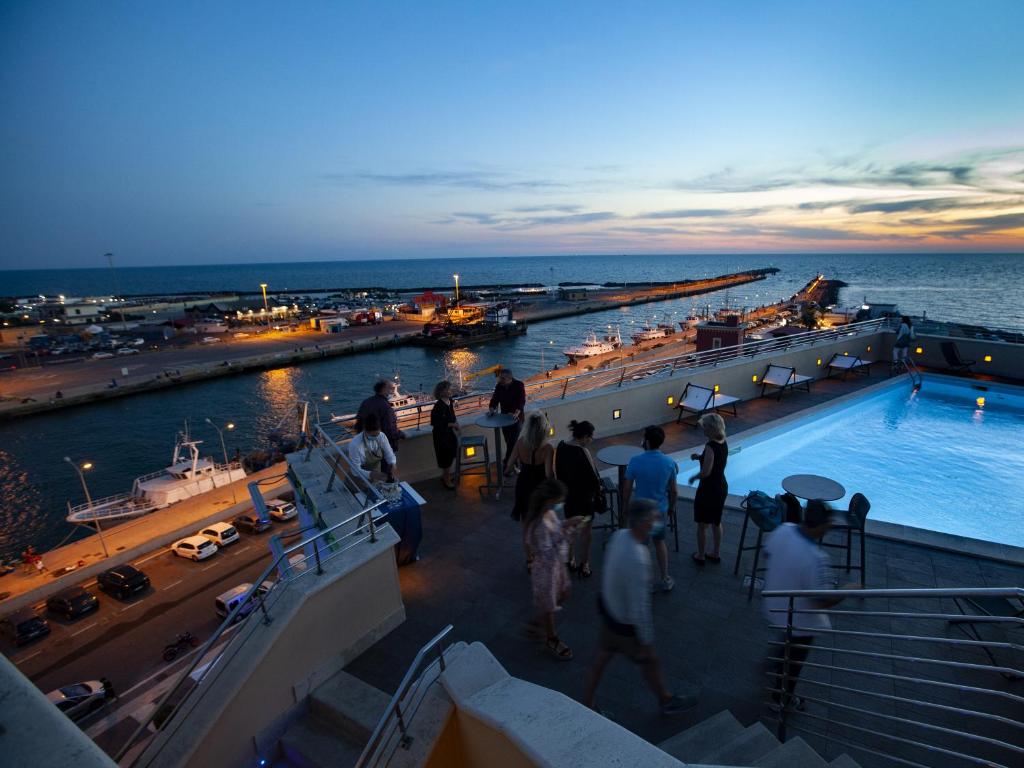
{"type": "Point", "coordinates": [87, 465]}
{"type": "Point", "coordinates": [456, 288]}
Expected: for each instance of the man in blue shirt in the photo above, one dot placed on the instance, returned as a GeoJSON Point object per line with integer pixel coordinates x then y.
{"type": "Point", "coordinates": [652, 475]}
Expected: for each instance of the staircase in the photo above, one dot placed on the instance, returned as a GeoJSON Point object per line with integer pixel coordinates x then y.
{"type": "Point", "coordinates": [722, 741]}
{"type": "Point", "coordinates": [342, 714]}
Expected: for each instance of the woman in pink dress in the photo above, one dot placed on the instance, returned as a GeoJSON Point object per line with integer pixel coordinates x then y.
{"type": "Point", "coordinates": [549, 537]}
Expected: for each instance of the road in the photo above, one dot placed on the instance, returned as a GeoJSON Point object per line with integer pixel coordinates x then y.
{"type": "Point", "coordinates": [124, 640]}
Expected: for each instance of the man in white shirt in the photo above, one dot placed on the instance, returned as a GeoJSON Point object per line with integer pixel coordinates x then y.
{"type": "Point", "coordinates": [627, 626]}
{"type": "Point", "coordinates": [796, 561]}
{"type": "Point", "coordinates": [371, 453]}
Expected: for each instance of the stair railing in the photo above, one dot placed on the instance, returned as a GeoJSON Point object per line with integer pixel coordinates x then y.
{"type": "Point", "coordinates": [896, 680]}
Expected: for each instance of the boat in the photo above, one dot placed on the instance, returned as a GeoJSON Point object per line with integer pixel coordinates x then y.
{"type": "Point", "coordinates": [188, 475]}
{"type": "Point", "coordinates": [667, 326]}
{"type": "Point", "coordinates": [690, 321]}
{"type": "Point", "coordinates": [593, 346]}
{"type": "Point", "coordinates": [649, 333]}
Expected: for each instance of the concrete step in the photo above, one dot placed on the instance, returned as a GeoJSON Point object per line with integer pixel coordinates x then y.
{"type": "Point", "coordinates": [844, 761]}
{"type": "Point", "coordinates": [311, 743]}
{"type": "Point", "coordinates": [795, 753]}
{"type": "Point", "coordinates": [349, 704]}
{"type": "Point", "coordinates": [695, 742]}
{"type": "Point", "coordinates": [755, 742]}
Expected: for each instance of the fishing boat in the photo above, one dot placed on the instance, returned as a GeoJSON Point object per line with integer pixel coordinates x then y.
{"type": "Point", "coordinates": [593, 346]}
{"type": "Point", "coordinates": [649, 333]}
{"type": "Point", "coordinates": [690, 321]}
{"type": "Point", "coordinates": [188, 475]}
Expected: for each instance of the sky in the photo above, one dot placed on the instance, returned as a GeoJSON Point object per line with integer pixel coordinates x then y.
{"type": "Point", "coordinates": [218, 132]}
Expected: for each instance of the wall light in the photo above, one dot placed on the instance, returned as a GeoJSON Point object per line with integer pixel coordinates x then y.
{"type": "Point", "coordinates": [819, 361]}
{"type": "Point", "coordinates": [846, 354]}
{"type": "Point", "coordinates": [754, 378]}
{"type": "Point", "coordinates": [988, 358]}
{"type": "Point", "coordinates": [869, 347]}
{"type": "Point", "coordinates": [981, 402]}
{"type": "Point", "coordinates": [918, 351]}
{"type": "Point", "coordinates": [670, 400]}
{"type": "Point", "coordinates": [551, 431]}
{"type": "Point", "coordinates": [716, 387]}
{"type": "Point", "coordinates": [617, 414]}
{"type": "Point", "coordinates": [470, 451]}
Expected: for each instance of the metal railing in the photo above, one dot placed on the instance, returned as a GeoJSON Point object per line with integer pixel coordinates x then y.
{"type": "Point", "coordinates": [392, 730]}
{"type": "Point", "coordinates": [895, 681]}
{"type": "Point", "coordinates": [326, 544]}
{"type": "Point", "coordinates": [560, 387]}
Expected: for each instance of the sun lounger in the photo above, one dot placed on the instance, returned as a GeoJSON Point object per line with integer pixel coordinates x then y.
{"type": "Point", "coordinates": [782, 378]}
{"type": "Point", "coordinates": [700, 400]}
{"type": "Point", "coordinates": [846, 364]}
{"type": "Point", "coordinates": [952, 355]}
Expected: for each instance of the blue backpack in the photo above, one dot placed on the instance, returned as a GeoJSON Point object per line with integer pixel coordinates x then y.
{"type": "Point", "coordinates": [766, 512]}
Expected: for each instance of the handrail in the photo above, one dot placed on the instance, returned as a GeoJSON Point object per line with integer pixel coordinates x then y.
{"type": "Point", "coordinates": [557, 387]}
{"type": "Point", "coordinates": [254, 593]}
{"type": "Point", "coordinates": [393, 713]}
{"type": "Point", "coordinates": [896, 717]}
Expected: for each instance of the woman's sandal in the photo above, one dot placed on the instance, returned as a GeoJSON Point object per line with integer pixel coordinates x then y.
{"type": "Point", "coordinates": [571, 565]}
{"type": "Point", "coordinates": [698, 559]}
{"type": "Point", "coordinates": [584, 571]}
{"type": "Point", "coordinates": [558, 649]}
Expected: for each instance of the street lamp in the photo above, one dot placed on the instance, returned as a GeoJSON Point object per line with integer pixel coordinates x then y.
{"type": "Point", "coordinates": [456, 288]}
{"type": "Point", "coordinates": [88, 498]}
{"type": "Point", "coordinates": [263, 287]}
{"type": "Point", "coordinates": [227, 465]}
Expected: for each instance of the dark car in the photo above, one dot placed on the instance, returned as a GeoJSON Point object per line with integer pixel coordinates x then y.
{"type": "Point", "coordinates": [251, 523]}
{"type": "Point", "coordinates": [72, 602]}
{"type": "Point", "coordinates": [24, 626]}
{"type": "Point", "coordinates": [123, 581]}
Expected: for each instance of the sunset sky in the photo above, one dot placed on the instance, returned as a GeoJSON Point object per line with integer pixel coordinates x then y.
{"type": "Point", "coordinates": [206, 132]}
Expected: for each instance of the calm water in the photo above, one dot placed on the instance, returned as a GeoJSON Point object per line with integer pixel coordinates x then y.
{"type": "Point", "coordinates": [935, 459]}
{"type": "Point", "coordinates": [129, 437]}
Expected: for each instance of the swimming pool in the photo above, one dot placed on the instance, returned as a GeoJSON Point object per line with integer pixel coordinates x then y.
{"type": "Point", "coordinates": [949, 458]}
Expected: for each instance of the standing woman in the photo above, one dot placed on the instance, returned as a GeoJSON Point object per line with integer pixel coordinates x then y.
{"type": "Point", "coordinates": [709, 500]}
{"type": "Point", "coordinates": [575, 467]}
{"type": "Point", "coordinates": [445, 431]}
{"type": "Point", "coordinates": [549, 538]}
{"type": "Point", "coordinates": [535, 457]}
{"type": "Point", "coordinates": [901, 347]}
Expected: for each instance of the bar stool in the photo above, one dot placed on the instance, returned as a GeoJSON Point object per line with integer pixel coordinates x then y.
{"type": "Point", "coordinates": [610, 489]}
{"type": "Point", "coordinates": [473, 458]}
{"type": "Point", "coordinates": [857, 514]}
{"type": "Point", "coordinates": [764, 525]}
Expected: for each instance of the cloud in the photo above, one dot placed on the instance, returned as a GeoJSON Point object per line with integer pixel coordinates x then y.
{"type": "Point", "coordinates": [700, 213]}
{"type": "Point", "coordinates": [546, 208]}
{"type": "Point", "coordinates": [490, 181]}
{"type": "Point", "coordinates": [990, 224]}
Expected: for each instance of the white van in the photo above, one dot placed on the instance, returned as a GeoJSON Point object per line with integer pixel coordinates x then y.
{"type": "Point", "coordinates": [226, 603]}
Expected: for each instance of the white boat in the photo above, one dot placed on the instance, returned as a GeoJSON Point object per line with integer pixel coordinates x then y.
{"type": "Point", "coordinates": [691, 320]}
{"type": "Point", "coordinates": [593, 346]}
{"type": "Point", "coordinates": [188, 475]}
{"type": "Point", "coordinates": [650, 333]}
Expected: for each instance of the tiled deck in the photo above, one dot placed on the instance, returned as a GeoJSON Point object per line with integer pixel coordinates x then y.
{"type": "Point", "coordinates": [711, 640]}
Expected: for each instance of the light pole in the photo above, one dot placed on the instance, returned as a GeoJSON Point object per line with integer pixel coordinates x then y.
{"type": "Point", "coordinates": [110, 260]}
{"type": "Point", "coordinates": [88, 498]}
{"type": "Point", "coordinates": [227, 464]}
{"type": "Point", "coordinates": [263, 287]}
{"type": "Point", "coordinates": [456, 288]}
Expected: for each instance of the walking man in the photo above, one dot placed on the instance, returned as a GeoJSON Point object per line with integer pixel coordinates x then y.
{"type": "Point", "coordinates": [380, 406]}
{"type": "Point", "coordinates": [627, 624]}
{"type": "Point", "coordinates": [795, 561]}
{"type": "Point", "coordinates": [652, 475]}
{"type": "Point", "coordinates": [510, 396]}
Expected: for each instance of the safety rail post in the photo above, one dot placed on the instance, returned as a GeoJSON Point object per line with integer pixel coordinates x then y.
{"type": "Point", "coordinates": [784, 677]}
{"type": "Point", "coordinates": [622, 378]}
{"type": "Point", "coordinates": [373, 530]}
{"type": "Point", "coordinates": [566, 387]}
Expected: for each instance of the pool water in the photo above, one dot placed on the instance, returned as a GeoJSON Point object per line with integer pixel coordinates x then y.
{"type": "Point", "coordinates": [947, 458]}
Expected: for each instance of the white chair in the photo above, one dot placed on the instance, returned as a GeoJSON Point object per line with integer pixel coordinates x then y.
{"type": "Point", "coordinates": [700, 400]}
{"type": "Point", "coordinates": [846, 364]}
{"type": "Point", "coordinates": [782, 378]}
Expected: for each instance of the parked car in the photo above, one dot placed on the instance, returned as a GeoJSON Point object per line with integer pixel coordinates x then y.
{"type": "Point", "coordinates": [209, 340]}
{"type": "Point", "coordinates": [72, 602]}
{"type": "Point", "coordinates": [226, 602]}
{"type": "Point", "coordinates": [220, 534]}
{"type": "Point", "coordinates": [137, 342]}
{"type": "Point", "coordinates": [23, 626]}
{"type": "Point", "coordinates": [242, 335]}
{"type": "Point", "coordinates": [123, 581]}
{"type": "Point", "coordinates": [102, 355]}
{"type": "Point", "coordinates": [80, 699]}
{"type": "Point", "coordinates": [281, 510]}
{"type": "Point", "coordinates": [127, 351]}
{"type": "Point", "coordinates": [194, 548]}
{"type": "Point", "coordinates": [250, 522]}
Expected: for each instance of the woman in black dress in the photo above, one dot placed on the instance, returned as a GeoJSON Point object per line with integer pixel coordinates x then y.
{"type": "Point", "coordinates": [575, 467]}
{"type": "Point", "coordinates": [534, 455]}
{"type": "Point", "coordinates": [712, 489]}
{"type": "Point", "coordinates": [445, 428]}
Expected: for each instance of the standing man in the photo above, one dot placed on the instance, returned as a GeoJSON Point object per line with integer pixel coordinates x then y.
{"type": "Point", "coordinates": [627, 624]}
{"type": "Point", "coordinates": [653, 476]}
{"type": "Point", "coordinates": [796, 561]}
{"type": "Point", "coordinates": [379, 405]}
{"type": "Point", "coordinates": [510, 396]}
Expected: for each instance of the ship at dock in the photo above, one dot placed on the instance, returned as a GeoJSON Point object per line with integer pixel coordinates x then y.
{"type": "Point", "coordinates": [592, 346]}
{"type": "Point", "coordinates": [464, 323]}
{"type": "Point", "coordinates": [188, 475]}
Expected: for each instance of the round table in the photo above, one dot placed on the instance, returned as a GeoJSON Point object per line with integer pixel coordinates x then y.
{"type": "Point", "coordinates": [496, 421]}
{"type": "Point", "coordinates": [619, 456]}
{"type": "Point", "coordinates": [813, 487]}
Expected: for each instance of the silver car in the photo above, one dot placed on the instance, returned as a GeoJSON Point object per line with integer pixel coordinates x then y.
{"type": "Point", "coordinates": [80, 699]}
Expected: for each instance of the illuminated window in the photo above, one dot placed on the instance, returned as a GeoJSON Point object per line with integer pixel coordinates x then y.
{"type": "Point", "coordinates": [616, 414]}
{"type": "Point", "coordinates": [988, 358]}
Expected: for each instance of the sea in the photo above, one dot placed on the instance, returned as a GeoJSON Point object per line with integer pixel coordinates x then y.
{"type": "Point", "coordinates": [132, 436]}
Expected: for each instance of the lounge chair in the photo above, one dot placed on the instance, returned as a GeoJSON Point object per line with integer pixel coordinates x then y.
{"type": "Point", "coordinates": [849, 363]}
{"type": "Point", "coordinates": [990, 611]}
{"type": "Point", "coordinates": [700, 400]}
{"type": "Point", "coordinates": [953, 359]}
{"type": "Point", "coordinates": [782, 378]}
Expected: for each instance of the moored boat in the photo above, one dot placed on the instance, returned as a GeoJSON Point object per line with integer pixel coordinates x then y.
{"type": "Point", "coordinates": [593, 346]}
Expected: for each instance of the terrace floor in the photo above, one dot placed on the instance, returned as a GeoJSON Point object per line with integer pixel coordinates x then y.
{"type": "Point", "coordinates": [711, 640]}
